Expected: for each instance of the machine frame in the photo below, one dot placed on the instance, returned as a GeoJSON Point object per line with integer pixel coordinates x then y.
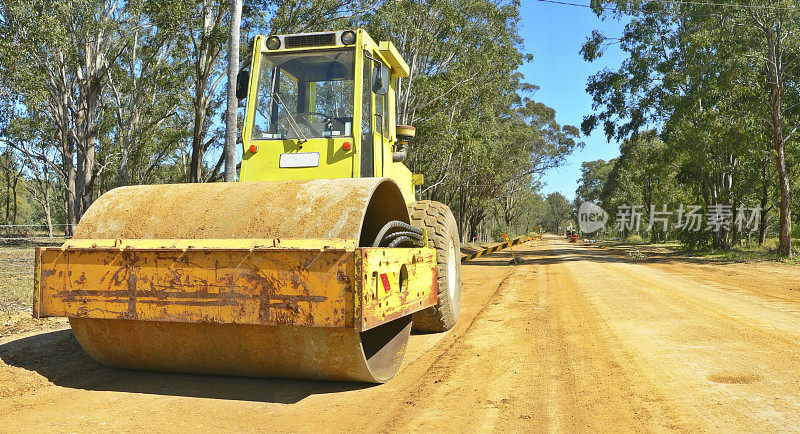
{"type": "Point", "coordinates": [281, 282]}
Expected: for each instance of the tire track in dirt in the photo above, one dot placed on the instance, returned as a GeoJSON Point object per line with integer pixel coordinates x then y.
{"type": "Point", "coordinates": [552, 364]}
{"type": "Point", "coordinates": [438, 371]}
{"type": "Point", "coordinates": [603, 386]}
{"type": "Point", "coordinates": [719, 345]}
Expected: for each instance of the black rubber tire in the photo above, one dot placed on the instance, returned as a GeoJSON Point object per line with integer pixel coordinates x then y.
{"type": "Point", "coordinates": [442, 230]}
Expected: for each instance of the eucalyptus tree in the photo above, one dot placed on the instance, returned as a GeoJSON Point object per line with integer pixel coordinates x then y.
{"type": "Point", "coordinates": [301, 16]}
{"type": "Point", "coordinates": [776, 44]}
{"type": "Point", "coordinates": [557, 212]}
{"type": "Point", "coordinates": [146, 85]}
{"type": "Point", "coordinates": [56, 56]}
{"type": "Point", "coordinates": [203, 26]}
{"type": "Point", "coordinates": [11, 172]}
{"type": "Point", "coordinates": [713, 75]}
{"type": "Point", "coordinates": [38, 161]}
{"type": "Point", "coordinates": [515, 201]}
{"type": "Point", "coordinates": [651, 174]}
{"type": "Point", "coordinates": [479, 129]}
{"type": "Point", "coordinates": [594, 175]}
{"type": "Point", "coordinates": [231, 121]}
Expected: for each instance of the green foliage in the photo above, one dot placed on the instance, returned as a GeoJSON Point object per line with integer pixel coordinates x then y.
{"type": "Point", "coordinates": [557, 213]}
{"type": "Point", "coordinates": [594, 177]}
{"type": "Point", "coordinates": [692, 240]}
{"type": "Point", "coordinates": [723, 92]}
{"type": "Point", "coordinates": [104, 94]}
{"type": "Point", "coordinates": [481, 136]}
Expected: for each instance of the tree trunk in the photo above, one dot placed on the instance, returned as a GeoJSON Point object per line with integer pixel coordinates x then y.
{"type": "Point", "coordinates": [714, 196]}
{"type": "Point", "coordinates": [196, 164]}
{"type": "Point", "coordinates": [231, 126]}
{"type": "Point", "coordinates": [79, 177]}
{"type": "Point", "coordinates": [647, 196]}
{"type": "Point", "coordinates": [736, 237]}
{"type": "Point", "coordinates": [67, 152]}
{"type": "Point", "coordinates": [91, 141]}
{"type": "Point", "coordinates": [85, 162]}
{"type": "Point", "coordinates": [762, 224]}
{"type": "Point", "coordinates": [7, 172]}
{"type": "Point", "coordinates": [206, 55]}
{"type": "Point", "coordinates": [14, 184]}
{"type": "Point", "coordinates": [48, 216]}
{"type": "Point", "coordinates": [724, 242]}
{"type": "Point", "coordinates": [123, 177]}
{"type": "Point", "coordinates": [87, 195]}
{"type": "Point", "coordinates": [42, 195]}
{"type": "Point", "coordinates": [474, 222]}
{"type": "Point", "coordinates": [785, 245]}
{"type": "Point", "coordinates": [776, 82]}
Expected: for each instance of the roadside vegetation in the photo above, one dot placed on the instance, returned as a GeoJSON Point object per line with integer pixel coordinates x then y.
{"type": "Point", "coordinates": [96, 94]}
{"type": "Point", "coordinates": [706, 105]}
{"type": "Point", "coordinates": [636, 247]}
{"type": "Point", "coordinates": [16, 279]}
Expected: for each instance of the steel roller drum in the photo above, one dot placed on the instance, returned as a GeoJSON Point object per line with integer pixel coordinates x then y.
{"type": "Point", "coordinates": [349, 209]}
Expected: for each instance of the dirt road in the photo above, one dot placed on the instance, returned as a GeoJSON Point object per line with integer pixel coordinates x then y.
{"type": "Point", "coordinates": [574, 339]}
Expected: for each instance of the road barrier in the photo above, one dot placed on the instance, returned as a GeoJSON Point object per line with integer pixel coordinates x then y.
{"type": "Point", "coordinates": [488, 250]}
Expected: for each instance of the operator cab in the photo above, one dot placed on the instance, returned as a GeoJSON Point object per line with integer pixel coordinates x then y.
{"type": "Point", "coordinates": [322, 105]}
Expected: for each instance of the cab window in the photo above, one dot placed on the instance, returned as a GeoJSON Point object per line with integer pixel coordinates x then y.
{"type": "Point", "coordinates": [305, 95]}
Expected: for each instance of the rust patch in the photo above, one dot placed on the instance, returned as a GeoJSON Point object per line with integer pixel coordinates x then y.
{"type": "Point", "coordinates": [269, 287]}
{"type": "Point", "coordinates": [131, 294]}
{"type": "Point", "coordinates": [330, 208]}
{"type": "Point", "coordinates": [381, 268]}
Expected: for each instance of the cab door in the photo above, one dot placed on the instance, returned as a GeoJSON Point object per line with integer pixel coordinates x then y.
{"type": "Point", "coordinates": [375, 148]}
{"type": "Point", "coordinates": [380, 117]}
{"type": "Point", "coordinates": [367, 142]}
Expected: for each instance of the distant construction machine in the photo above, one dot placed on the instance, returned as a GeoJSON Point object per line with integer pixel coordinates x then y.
{"type": "Point", "coordinates": [317, 265]}
{"type": "Point", "coordinates": [572, 235]}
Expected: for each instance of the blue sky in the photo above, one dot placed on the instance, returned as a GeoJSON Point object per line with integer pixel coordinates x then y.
{"type": "Point", "coordinates": [554, 34]}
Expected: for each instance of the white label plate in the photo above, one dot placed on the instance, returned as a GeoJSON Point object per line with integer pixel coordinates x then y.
{"type": "Point", "coordinates": [301, 159]}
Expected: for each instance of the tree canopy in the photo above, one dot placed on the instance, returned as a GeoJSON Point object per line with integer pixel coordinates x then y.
{"type": "Point", "coordinates": [720, 83]}
{"type": "Point", "coordinates": [102, 93]}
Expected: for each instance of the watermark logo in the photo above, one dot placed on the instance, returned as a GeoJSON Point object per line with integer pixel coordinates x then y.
{"type": "Point", "coordinates": [591, 218]}
{"type": "Point", "coordinates": [689, 218]}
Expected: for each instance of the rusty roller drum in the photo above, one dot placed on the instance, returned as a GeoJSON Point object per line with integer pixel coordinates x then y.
{"type": "Point", "coordinates": [352, 209]}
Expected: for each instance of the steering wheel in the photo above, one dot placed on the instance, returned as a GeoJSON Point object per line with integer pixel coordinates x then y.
{"type": "Point", "coordinates": [327, 119]}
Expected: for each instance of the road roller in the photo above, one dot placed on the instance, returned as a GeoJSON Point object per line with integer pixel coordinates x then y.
{"type": "Point", "coordinates": [317, 264]}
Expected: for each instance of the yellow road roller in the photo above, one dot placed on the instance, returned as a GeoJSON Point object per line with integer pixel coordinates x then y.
{"type": "Point", "coordinates": [316, 265]}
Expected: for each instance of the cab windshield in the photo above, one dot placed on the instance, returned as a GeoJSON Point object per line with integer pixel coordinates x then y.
{"type": "Point", "coordinates": [305, 95]}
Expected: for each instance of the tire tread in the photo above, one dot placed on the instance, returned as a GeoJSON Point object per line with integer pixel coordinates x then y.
{"type": "Point", "coordinates": [439, 221]}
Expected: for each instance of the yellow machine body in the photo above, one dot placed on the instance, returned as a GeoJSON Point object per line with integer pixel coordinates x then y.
{"type": "Point", "coordinates": [274, 276]}
{"type": "Point", "coordinates": [260, 282]}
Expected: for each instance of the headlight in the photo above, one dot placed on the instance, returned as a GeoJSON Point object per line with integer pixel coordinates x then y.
{"type": "Point", "coordinates": [348, 37]}
{"type": "Point", "coordinates": [273, 43]}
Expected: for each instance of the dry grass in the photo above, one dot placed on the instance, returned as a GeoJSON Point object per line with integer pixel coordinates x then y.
{"type": "Point", "coordinates": [745, 252]}
{"type": "Point", "coordinates": [16, 279]}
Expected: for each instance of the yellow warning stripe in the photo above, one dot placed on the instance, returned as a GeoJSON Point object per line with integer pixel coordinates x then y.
{"type": "Point", "coordinates": [493, 249]}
